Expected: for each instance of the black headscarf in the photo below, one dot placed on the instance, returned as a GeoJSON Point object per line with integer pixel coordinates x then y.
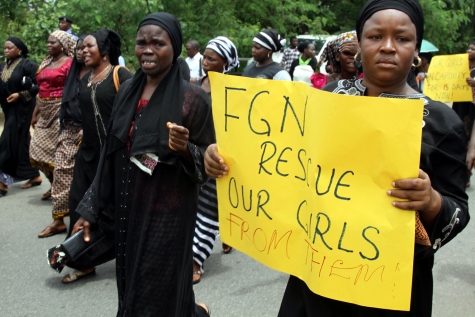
{"type": "Point", "coordinates": [165, 104]}
{"type": "Point", "coordinates": [171, 25]}
{"type": "Point", "coordinates": [410, 7]}
{"type": "Point", "coordinates": [21, 46]}
{"type": "Point", "coordinates": [70, 93]}
{"type": "Point", "coordinates": [269, 39]}
{"type": "Point", "coordinates": [108, 41]}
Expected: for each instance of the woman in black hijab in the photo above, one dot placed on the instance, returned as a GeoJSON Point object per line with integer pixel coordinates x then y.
{"type": "Point", "coordinates": [97, 91]}
{"type": "Point", "coordinates": [18, 89]}
{"type": "Point", "coordinates": [390, 33]}
{"type": "Point", "coordinates": [146, 188]}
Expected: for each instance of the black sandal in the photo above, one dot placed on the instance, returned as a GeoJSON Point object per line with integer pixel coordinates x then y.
{"type": "Point", "coordinates": [30, 183]}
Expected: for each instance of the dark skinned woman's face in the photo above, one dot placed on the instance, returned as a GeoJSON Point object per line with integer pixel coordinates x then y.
{"type": "Point", "coordinates": [471, 52]}
{"type": "Point", "coordinates": [54, 46]}
{"type": "Point", "coordinates": [91, 53]}
{"type": "Point", "coordinates": [346, 57]}
{"type": "Point", "coordinates": [154, 50]}
{"type": "Point", "coordinates": [10, 50]}
{"type": "Point", "coordinates": [310, 51]}
{"type": "Point", "coordinates": [259, 53]}
{"type": "Point", "coordinates": [80, 51]}
{"type": "Point", "coordinates": [212, 62]}
{"type": "Point", "coordinates": [388, 47]}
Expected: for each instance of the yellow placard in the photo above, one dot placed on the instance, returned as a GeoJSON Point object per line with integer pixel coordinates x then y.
{"type": "Point", "coordinates": [446, 79]}
{"type": "Point", "coordinates": [306, 190]}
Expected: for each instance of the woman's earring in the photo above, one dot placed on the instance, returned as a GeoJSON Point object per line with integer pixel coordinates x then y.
{"type": "Point", "coordinates": [104, 58]}
{"type": "Point", "coordinates": [419, 62]}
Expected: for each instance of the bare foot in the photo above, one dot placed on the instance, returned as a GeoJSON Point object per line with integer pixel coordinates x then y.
{"type": "Point", "coordinates": [207, 310]}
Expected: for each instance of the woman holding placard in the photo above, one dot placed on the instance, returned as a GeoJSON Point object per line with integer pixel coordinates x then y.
{"type": "Point", "coordinates": [390, 35]}
{"type": "Point", "coordinates": [466, 112]}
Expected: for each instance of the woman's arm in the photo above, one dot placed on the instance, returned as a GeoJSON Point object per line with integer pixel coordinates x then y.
{"type": "Point", "coordinates": [34, 117]}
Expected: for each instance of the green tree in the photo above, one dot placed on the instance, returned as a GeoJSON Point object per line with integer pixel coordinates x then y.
{"type": "Point", "coordinates": [449, 24]}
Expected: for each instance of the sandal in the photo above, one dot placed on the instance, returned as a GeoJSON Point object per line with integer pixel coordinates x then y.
{"type": "Point", "coordinates": [46, 195]}
{"type": "Point", "coordinates": [198, 275]}
{"type": "Point", "coordinates": [226, 248]}
{"type": "Point", "coordinates": [50, 231]}
{"type": "Point", "coordinates": [77, 275]}
{"type": "Point", "coordinates": [30, 183]}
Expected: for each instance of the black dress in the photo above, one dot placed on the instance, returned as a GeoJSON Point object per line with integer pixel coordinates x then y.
{"type": "Point", "coordinates": [15, 139]}
{"type": "Point", "coordinates": [466, 113]}
{"type": "Point", "coordinates": [153, 216]}
{"type": "Point", "coordinates": [89, 152]}
{"type": "Point", "coordinates": [443, 159]}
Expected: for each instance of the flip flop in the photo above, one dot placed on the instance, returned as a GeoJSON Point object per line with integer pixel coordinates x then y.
{"type": "Point", "coordinates": [76, 275]}
{"type": "Point", "coordinates": [198, 273]}
{"type": "Point", "coordinates": [48, 232]}
{"type": "Point", "coordinates": [30, 183]}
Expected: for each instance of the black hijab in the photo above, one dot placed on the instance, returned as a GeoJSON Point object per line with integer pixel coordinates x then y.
{"type": "Point", "coordinates": [70, 94]}
{"type": "Point", "coordinates": [410, 7]}
{"type": "Point", "coordinates": [108, 41]}
{"type": "Point", "coordinates": [165, 104]}
{"type": "Point", "coordinates": [21, 46]}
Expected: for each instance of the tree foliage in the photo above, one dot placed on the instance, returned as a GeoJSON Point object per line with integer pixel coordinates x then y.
{"type": "Point", "coordinates": [450, 24]}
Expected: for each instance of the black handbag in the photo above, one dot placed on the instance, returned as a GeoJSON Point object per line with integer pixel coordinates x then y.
{"type": "Point", "coordinates": [75, 246]}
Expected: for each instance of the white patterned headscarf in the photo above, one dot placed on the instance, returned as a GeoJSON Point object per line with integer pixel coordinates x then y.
{"type": "Point", "coordinates": [226, 49]}
{"type": "Point", "coordinates": [68, 43]}
{"type": "Point", "coordinates": [269, 39]}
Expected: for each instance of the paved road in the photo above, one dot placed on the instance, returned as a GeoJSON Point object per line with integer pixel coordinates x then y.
{"type": "Point", "coordinates": [233, 285]}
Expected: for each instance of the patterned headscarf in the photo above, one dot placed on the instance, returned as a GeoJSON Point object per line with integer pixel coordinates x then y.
{"type": "Point", "coordinates": [68, 43]}
{"type": "Point", "coordinates": [226, 49]}
{"type": "Point", "coordinates": [269, 39]}
{"type": "Point", "coordinates": [334, 47]}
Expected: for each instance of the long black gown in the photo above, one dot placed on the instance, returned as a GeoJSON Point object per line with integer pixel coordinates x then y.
{"type": "Point", "coordinates": [153, 217]}
{"type": "Point", "coordinates": [443, 159]}
{"type": "Point", "coordinates": [466, 112]}
{"type": "Point", "coordinates": [15, 139]}
{"type": "Point", "coordinates": [89, 152]}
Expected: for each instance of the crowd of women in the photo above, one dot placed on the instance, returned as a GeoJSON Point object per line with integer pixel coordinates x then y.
{"type": "Point", "coordinates": [128, 155]}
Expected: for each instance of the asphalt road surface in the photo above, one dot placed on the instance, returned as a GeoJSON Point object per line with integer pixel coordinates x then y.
{"type": "Point", "coordinates": [233, 285]}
